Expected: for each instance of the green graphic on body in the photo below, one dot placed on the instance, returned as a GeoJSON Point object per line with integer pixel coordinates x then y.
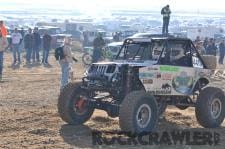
{"type": "Point", "coordinates": [169, 68]}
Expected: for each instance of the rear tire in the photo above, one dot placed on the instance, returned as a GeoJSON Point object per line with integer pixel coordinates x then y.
{"type": "Point", "coordinates": [138, 113]}
{"type": "Point", "coordinates": [72, 106]}
{"type": "Point", "coordinates": [210, 107]}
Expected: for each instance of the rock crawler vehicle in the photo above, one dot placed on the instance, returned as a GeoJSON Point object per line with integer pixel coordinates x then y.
{"type": "Point", "coordinates": [148, 74]}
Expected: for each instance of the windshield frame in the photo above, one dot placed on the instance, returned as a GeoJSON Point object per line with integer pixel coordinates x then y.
{"type": "Point", "coordinates": [129, 42]}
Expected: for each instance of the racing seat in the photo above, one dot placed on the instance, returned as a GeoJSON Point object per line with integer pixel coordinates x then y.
{"type": "Point", "coordinates": [210, 61]}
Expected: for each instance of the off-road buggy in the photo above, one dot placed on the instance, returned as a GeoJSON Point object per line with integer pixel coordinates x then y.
{"type": "Point", "coordinates": [147, 75]}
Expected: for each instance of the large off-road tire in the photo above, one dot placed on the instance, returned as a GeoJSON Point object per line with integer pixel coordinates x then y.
{"type": "Point", "coordinates": [72, 106]}
{"type": "Point", "coordinates": [138, 113]}
{"type": "Point", "coordinates": [87, 59]}
{"type": "Point", "coordinates": [210, 107]}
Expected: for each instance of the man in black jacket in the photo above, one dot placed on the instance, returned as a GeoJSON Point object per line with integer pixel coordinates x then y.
{"type": "Point", "coordinates": [46, 47]}
{"type": "Point", "coordinates": [98, 44]}
{"type": "Point", "coordinates": [222, 51]}
{"type": "Point", "coordinates": [165, 12]}
{"type": "Point", "coordinates": [28, 44]}
{"type": "Point", "coordinates": [211, 48]}
{"type": "Point", "coordinates": [36, 45]}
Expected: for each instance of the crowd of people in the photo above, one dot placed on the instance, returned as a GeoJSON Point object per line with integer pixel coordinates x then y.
{"type": "Point", "coordinates": [31, 42]}
{"type": "Point", "coordinates": [211, 46]}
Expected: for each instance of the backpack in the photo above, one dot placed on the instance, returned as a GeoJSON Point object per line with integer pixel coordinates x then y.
{"type": "Point", "coordinates": [59, 54]}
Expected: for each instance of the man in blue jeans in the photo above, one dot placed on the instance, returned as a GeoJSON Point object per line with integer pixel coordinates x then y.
{"type": "Point", "coordinates": [36, 45]}
{"type": "Point", "coordinates": [16, 41]}
{"type": "Point", "coordinates": [222, 51]}
{"type": "Point", "coordinates": [28, 43]}
{"type": "Point", "coordinates": [165, 12]}
{"type": "Point", "coordinates": [46, 47]}
{"type": "Point", "coordinates": [3, 45]}
{"type": "Point", "coordinates": [66, 62]}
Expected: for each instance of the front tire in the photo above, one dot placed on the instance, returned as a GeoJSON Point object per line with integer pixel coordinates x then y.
{"type": "Point", "coordinates": [138, 113]}
{"type": "Point", "coordinates": [73, 107]}
{"type": "Point", "coordinates": [210, 107]}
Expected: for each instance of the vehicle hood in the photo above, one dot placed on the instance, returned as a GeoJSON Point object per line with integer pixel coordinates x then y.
{"type": "Point", "coordinates": [128, 62]}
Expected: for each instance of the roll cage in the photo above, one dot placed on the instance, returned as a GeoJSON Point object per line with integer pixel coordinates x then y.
{"type": "Point", "coordinates": [188, 48]}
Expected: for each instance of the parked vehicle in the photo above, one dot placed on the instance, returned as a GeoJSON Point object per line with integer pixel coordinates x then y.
{"type": "Point", "coordinates": [109, 52]}
{"type": "Point", "coordinates": [113, 49]}
{"type": "Point", "coordinates": [57, 39]}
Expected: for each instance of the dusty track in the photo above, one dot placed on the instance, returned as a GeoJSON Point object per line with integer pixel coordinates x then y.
{"type": "Point", "coordinates": [29, 118]}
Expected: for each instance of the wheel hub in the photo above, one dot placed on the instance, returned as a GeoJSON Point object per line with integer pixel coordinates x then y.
{"type": "Point", "coordinates": [80, 105]}
{"type": "Point", "coordinates": [143, 115]}
{"type": "Point", "coordinates": [216, 108]}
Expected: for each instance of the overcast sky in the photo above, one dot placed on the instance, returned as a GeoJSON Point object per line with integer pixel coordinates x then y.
{"type": "Point", "coordinates": [93, 5]}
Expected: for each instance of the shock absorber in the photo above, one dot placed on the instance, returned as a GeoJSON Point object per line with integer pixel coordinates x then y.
{"type": "Point", "coordinates": [128, 79]}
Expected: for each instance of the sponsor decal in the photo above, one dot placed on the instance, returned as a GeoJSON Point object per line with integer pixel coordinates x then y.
{"type": "Point", "coordinates": [165, 89]}
{"type": "Point", "coordinates": [158, 75]}
{"type": "Point", "coordinates": [160, 92]}
{"type": "Point", "coordinates": [166, 86]}
{"type": "Point", "coordinates": [183, 83]}
{"type": "Point", "coordinates": [196, 62]}
{"type": "Point", "coordinates": [146, 75]}
{"type": "Point", "coordinates": [166, 76]}
{"type": "Point", "coordinates": [149, 75]}
{"type": "Point", "coordinates": [169, 68]}
{"type": "Point", "coordinates": [152, 68]}
{"type": "Point", "coordinates": [147, 81]}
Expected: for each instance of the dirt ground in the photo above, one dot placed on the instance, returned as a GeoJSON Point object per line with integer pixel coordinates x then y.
{"type": "Point", "coordinates": [29, 118]}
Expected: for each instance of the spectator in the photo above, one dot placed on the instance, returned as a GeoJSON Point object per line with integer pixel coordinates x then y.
{"type": "Point", "coordinates": [46, 47]}
{"type": "Point", "coordinates": [200, 48]}
{"type": "Point", "coordinates": [16, 41]}
{"type": "Point", "coordinates": [28, 44]}
{"type": "Point", "coordinates": [98, 44]}
{"type": "Point", "coordinates": [166, 18]}
{"type": "Point", "coordinates": [86, 39]}
{"type": "Point", "coordinates": [3, 45]}
{"type": "Point", "coordinates": [22, 32]}
{"type": "Point", "coordinates": [66, 62]}
{"type": "Point", "coordinates": [222, 51]}
{"type": "Point", "coordinates": [197, 40]}
{"type": "Point", "coordinates": [116, 36]}
{"type": "Point", "coordinates": [36, 45]}
{"type": "Point", "coordinates": [206, 42]}
{"type": "Point", "coordinates": [3, 29]}
{"type": "Point", "coordinates": [211, 48]}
